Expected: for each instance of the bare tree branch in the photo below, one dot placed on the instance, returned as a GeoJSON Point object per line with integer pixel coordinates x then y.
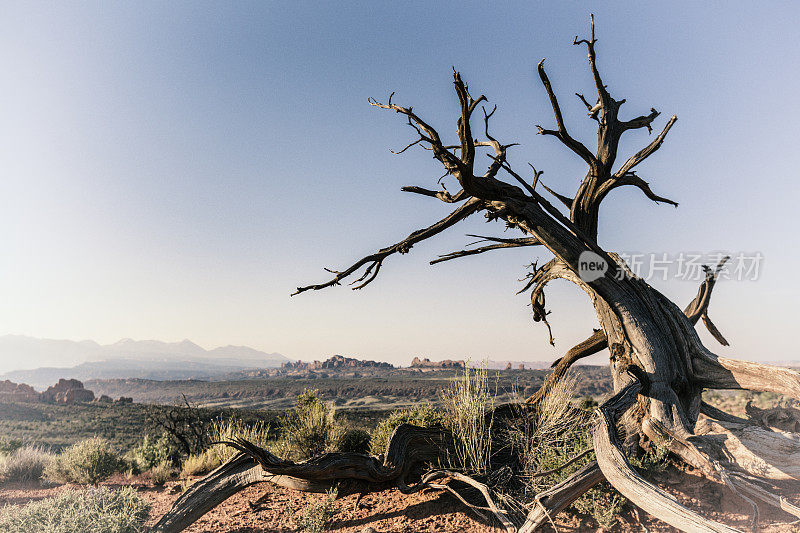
{"type": "Point", "coordinates": [562, 133]}
{"type": "Point", "coordinates": [643, 121]}
{"type": "Point", "coordinates": [374, 261]}
{"type": "Point", "coordinates": [505, 243]}
{"type": "Point", "coordinates": [630, 178]}
{"type": "Point", "coordinates": [592, 110]}
{"type": "Point", "coordinates": [566, 200]}
{"type": "Point", "coordinates": [645, 152]}
{"type": "Point", "coordinates": [602, 93]}
{"type": "Point", "coordinates": [442, 195]}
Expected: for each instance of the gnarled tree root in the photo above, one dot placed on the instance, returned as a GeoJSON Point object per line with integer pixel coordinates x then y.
{"type": "Point", "coordinates": [408, 447]}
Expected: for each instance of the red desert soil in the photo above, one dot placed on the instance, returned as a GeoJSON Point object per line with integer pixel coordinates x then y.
{"type": "Point", "coordinates": [390, 511]}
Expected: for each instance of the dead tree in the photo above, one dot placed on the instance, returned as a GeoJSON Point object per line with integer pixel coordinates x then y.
{"type": "Point", "coordinates": [660, 366]}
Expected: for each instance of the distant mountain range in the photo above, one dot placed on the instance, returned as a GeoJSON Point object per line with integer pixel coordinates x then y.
{"type": "Point", "coordinates": [149, 359]}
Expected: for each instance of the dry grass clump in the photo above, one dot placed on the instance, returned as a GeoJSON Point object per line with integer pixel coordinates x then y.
{"type": "Point", "coordinates": [25, 464]}
{"type": "Point", "coordinates": [223, 430]}
{"type": "Point", "coordinates": [99, 510]}
{"type": "Point", "coordinates": [553, 435]}
{"type": "Point", "coordinates": [466, 402]}
{"type": "Point", "coordinates": [89, 461]}
{"type": "Point", "coordinates": [162, 472]}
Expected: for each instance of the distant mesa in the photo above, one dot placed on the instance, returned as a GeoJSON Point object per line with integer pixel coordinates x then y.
{"type": "Point", "coordinates": [65, 392]}
{"type": "Point", "coordinates": [428, 364]}
{"type": "Point", "coordinates": [337, 362]}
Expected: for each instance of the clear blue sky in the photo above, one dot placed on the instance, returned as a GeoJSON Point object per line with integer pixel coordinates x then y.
{"type": "Point", "coordinates": [173, 170]}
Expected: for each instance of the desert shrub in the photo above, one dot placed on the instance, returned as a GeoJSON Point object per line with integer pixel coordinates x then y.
{"type": "Point", "coordinates": [155, 451]}
{"type": "Point", "coordinates": [419, 415]}
{"type": "Point", "coordinates": [87, 461]}
{"type": "Point", "coordinates": [222, 430]}
{"type": "Point", "coordinates": [354, 440]}
{"type": "Point", "coordinates": [317, 514]}
{"type": "Point", "coordinates": [602, 503]}
{"type": "Point", "coordinates": [550, 436]}
{"type": "Point", "coordinates": [25, 464]}
{"type": "Point", "coordinates": [466, 402]}
{"type": "Point", "coordinates": [310, 428]}
{"type": "Point", "coordinates": [162, 472]}
{"type": "Point", "coordinates": [555, 433]}
{"type": "Point", "coordinates": [99, 510]}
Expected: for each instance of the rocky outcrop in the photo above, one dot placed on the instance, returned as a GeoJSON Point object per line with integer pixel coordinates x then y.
{"type": "Point", "coordinates": [17, 392]}
{"type": "Point", "coordinates": [428, 364]}
{"type": "Point", "coordinates": [105, 399]}
{"type": "Point", "coordinates": [68, 392]}
{"type": "Point", "coordinates": [337, 362]}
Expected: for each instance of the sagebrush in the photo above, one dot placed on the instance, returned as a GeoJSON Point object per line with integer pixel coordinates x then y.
{"type": "Point", "coordinates": [87, 462]}
{"type": "Point", "coordinates": [95, 510]}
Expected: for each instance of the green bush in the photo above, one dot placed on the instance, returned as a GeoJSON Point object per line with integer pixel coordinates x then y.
{"type": "Point", "coordinates": [88, 461]}
{"type": "Point", "coordinates": [25, 464]}
{"type": "Point", "coordinates": [310, 428]}
{"type": "Point", "coordinates": [354, 440]}
{"type": "Point", "coordinates": [316, 516]}
{"type": "Point", "coordinates": [419, 415]}
{"type": "Point", "coordinates": [154, 451]}
{"type": "Point", "coordinates": [222, 430]}
{"type": "Point", "coordinates": [99, 510]}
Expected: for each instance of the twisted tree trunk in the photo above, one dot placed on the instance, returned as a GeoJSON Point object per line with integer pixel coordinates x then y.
{"type": "Point", "coordinates": [659, 365]}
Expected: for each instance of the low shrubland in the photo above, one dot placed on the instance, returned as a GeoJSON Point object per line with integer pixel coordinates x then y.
{"type": "Point", "coordinates": [99, 510]}
{"type": "Point", "coordinates": [87, 462]}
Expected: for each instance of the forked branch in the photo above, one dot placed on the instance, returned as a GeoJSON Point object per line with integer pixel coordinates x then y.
{"type": "Point", "coordinates": [645, 152]}
{"type": "Point", "coordinates": [561, 133]}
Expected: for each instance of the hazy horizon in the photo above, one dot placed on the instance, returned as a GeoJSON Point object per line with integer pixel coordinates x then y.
{"type": "Point", "coordinates": [175, 170]}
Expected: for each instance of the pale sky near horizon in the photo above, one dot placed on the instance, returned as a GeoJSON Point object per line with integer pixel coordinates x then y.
{"type": "Point", "coordinates": [174, 170]}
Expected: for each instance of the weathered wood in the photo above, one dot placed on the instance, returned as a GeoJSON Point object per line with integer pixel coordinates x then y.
{"type": "Point", "coordinates": [554, 500]}
{"type": "Point", "coordinates": [408, 447]}
{"type": "Point", "coordinates": [619, 472]}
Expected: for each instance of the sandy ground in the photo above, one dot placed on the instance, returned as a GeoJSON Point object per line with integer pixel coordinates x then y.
{"type": "Point", "coordinates": [275, 508]}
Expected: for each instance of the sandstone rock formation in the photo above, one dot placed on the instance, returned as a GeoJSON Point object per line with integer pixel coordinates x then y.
{"type": "Point", "coordinates": [67, 391]}
{"type": "Point", "coordinates": [17, 392]}
{"type": "Point", "coordinates": [427, 363]}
